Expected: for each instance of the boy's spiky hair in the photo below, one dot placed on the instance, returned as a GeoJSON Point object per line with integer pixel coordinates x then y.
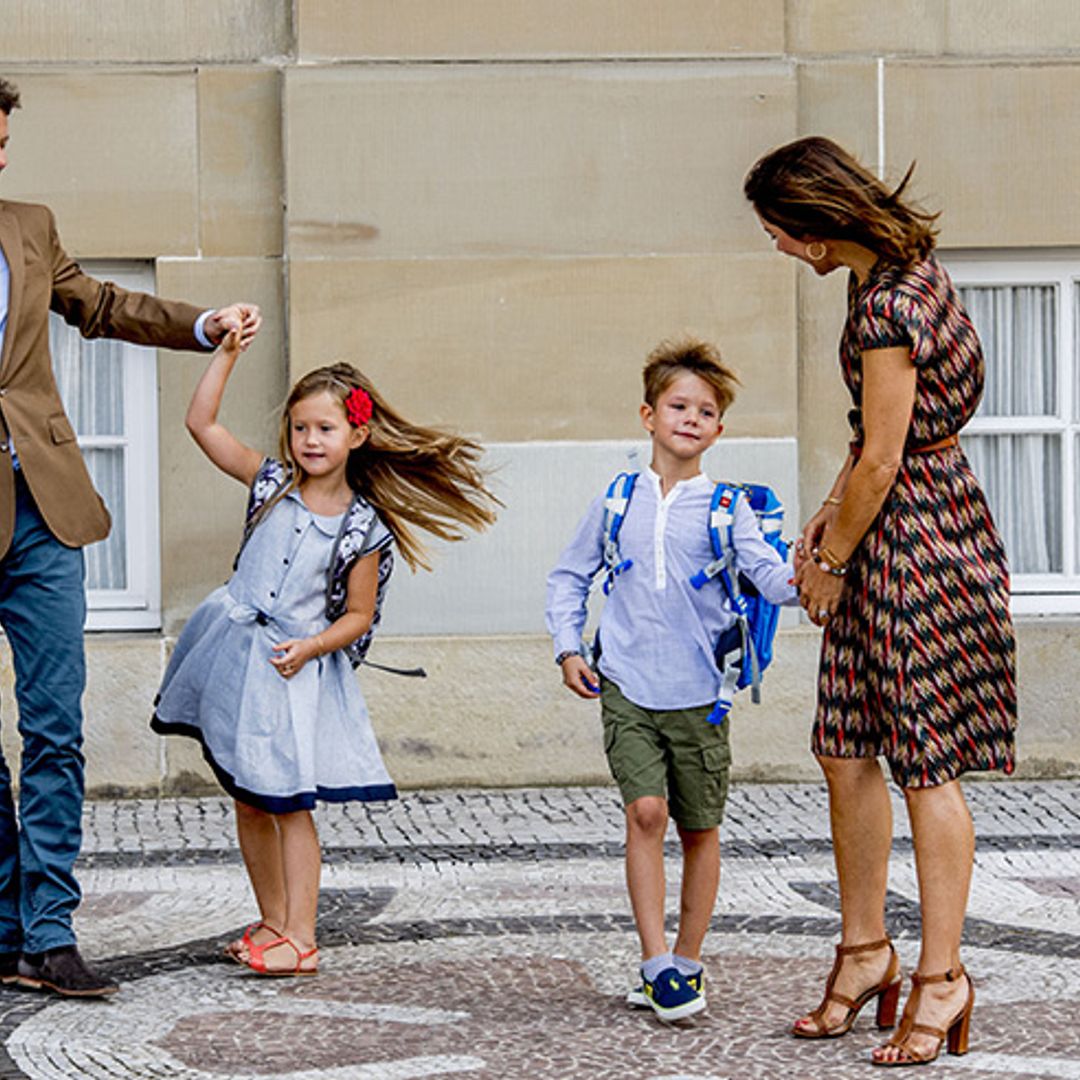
{"type": "Point", "coordinates": [673, 358]}
{"type": "Point", "coordinates": [9, 96]}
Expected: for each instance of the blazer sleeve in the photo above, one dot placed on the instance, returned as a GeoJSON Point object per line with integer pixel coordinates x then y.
{"type": "Point", "coordinates": [102, 309]}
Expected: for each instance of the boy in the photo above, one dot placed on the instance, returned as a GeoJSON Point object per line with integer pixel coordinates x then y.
{"type": "Point", "coordinates": [657, 677]}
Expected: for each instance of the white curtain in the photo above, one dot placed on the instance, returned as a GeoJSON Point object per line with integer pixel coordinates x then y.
{"type": "Point", "coordinates": [90, 376]}
{"type": "Point", "coordinates": [1020, 473]}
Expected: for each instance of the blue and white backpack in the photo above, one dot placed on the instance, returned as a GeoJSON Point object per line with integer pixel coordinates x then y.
{"type": "Point", "coordinates": [746, 650]}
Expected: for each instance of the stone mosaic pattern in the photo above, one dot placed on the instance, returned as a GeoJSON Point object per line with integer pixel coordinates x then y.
{"type": "Point", "coordinates": [487, 934]}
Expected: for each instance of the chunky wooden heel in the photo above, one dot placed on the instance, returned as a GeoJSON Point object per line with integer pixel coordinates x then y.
{"type": "Point", "coordinates": [887, 993]}
{"type": "Point", "coordinates": [887, 1003]}
{"type": "Point", "coordinates": [954, 1035]}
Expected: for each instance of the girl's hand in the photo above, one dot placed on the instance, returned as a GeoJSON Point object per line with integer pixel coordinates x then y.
{"type": "Point", "coordinates": [293, 655]}
{"type": "Point", "coordinates": [580, 678]}
{"type": "Point", "coordinates": [245, 319]}
{"type": "Point", "coordinates": [819, 592]}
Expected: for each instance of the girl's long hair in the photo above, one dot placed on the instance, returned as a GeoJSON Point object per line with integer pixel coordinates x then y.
{"type": "Point", "coordinates": [417, 478]}
{"type": "Point", "coordinates": [812, 188]}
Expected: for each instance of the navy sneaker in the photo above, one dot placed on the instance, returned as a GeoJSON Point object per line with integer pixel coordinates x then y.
{"type": "Point", "coordinates": [636, 998]}
{"type": "Point", "coordinates": [671, 997]}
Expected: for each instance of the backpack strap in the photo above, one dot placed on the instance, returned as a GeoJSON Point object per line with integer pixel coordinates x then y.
{"type": "Point", "coordinates": [616, 502]}
{"type": "Point", "coordinates": [738, 648]}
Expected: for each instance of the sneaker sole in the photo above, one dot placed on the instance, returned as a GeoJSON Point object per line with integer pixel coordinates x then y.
{"type": "Point", "coordinates": [636, 999]}
{"type": "Point", "coordinates": [27, 983]}
{"type": "Point", "coordinates": [679, 1012]}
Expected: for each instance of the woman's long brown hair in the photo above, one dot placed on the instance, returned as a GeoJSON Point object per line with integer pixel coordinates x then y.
{"type": "Point", "coordinates": [415, 477]}
{"type": "Point", "coordinates": [814, 189]}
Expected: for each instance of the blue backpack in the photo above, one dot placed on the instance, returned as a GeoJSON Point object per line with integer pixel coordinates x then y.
{"type": "Point", "coordinates": [746, 649]}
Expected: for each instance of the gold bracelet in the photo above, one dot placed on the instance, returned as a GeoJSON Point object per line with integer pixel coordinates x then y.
{"type": "Point", "coordinates": [832, 500]}
{"type": "Point", "coordinates": [320, 645]}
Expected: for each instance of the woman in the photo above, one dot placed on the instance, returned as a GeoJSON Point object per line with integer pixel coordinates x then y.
{"type": "Point", "coordinates": [904, 569]}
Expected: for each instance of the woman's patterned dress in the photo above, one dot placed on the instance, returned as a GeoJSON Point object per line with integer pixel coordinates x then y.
{"type": "Point", "coordinates": [918, 662]}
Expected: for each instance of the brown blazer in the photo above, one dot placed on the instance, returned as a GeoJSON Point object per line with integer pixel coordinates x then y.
{"type": "Point", "coordinates": [44, 277]}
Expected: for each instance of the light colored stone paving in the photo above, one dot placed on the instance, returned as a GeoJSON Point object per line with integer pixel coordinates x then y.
{"type": "Point", "coordinates": [487, 934]}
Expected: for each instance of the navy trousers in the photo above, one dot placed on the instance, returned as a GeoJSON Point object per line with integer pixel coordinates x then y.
{"type": "Point", "coordinates": [42, 611]}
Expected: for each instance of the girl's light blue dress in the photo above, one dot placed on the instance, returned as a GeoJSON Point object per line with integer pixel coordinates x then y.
{"type": "Point", "coordinates": [274, 743]}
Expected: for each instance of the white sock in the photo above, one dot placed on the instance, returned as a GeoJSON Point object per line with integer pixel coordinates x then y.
{"type": "Point", "coordinates": [655, 964]}
{"type": "Point", "coordinates": [685, 966]}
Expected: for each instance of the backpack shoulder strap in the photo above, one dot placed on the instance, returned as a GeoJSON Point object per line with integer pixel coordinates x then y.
{"type": "Point", "coordinates": [721, 533]}
{"type": "Point", "coordinates": [616, 503]}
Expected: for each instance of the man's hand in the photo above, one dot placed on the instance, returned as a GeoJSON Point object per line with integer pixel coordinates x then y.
{"type": "Point", "coordinates": [243, 317]}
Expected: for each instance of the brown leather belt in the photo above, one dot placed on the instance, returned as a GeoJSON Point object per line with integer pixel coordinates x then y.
{"type": "Point", "coordinates": [928, 448]}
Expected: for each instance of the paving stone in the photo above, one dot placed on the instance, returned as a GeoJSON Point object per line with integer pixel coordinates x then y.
{"type": "Point", "coordinates": [487, 934]}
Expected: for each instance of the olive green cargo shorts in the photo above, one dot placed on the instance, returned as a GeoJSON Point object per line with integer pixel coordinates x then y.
{"type": "Point", "coordinates": [672, 753]}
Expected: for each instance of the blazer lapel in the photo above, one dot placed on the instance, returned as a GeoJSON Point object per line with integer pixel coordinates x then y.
{"type": "Point", "coordinates": [11, 242]}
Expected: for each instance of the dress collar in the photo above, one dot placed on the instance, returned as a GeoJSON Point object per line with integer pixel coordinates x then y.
{"type": "Point", "coordinates": [328, 525]}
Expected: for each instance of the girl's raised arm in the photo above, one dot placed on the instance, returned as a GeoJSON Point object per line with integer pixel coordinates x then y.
{"type": "Point", "coordinates": [219, 444]}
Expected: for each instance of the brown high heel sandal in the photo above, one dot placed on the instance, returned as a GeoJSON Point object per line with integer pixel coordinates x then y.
{"type": "Point", "coordinates": [887, 992]}
{"type": "Point", "coordinates": [954, 1034]}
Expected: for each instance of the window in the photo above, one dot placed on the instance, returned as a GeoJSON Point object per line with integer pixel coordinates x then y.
{"type": "Point", "coordinates": [109, 389]}
{"type": "Point", "coordinates": [1024, 442]}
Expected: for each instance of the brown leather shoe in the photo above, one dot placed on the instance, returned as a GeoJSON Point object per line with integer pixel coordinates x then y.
{"type": "Point", "coordinates": [64, 972]}
{"type": "Point", "coordinates": [9, 967]}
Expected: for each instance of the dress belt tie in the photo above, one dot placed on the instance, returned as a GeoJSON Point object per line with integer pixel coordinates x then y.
{"type": "Point", "coordinates": [946, 443]}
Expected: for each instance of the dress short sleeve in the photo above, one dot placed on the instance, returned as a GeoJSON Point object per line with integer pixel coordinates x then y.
{"type": "Point", "coordinates": [378, 538]}
{"type": "Point", "coordinates": [887, 318]}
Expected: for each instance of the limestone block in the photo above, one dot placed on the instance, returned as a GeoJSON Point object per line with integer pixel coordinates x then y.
{"type": "Point", "coordinates": [99, 31]}
{"type": "Point", "coordinates": [543, 349]}
{"type": "Point", "coordinates": [888, 27]}
{"type": "Point", "coordinates": [115, 154]}
{"type": "Point", "coordinates": [838, 99]}
{"type": "Point", "coordinates": [241, 198]}
{"type": "Point", "coordinates": [989, 145]}
{"type": "Point", "coordinates": [1048, 735]}
{"type": "Point", "coordinates": [486, 29]}
{"type": "Point", "coordinates": [202, 509]}
{"type": "Point", "coordinates": [494, 583]}
{"type": "Point", "coordinates": [823, 399]}
{"type": "Point", "coordinates": [1036, 26]}
{"type": "Point", "coordinates": [123, 756]}
{"type": "Point", "coordinates": [527, 159]}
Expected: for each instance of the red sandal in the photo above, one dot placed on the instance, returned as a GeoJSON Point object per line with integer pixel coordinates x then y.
{"type": "Point", "coordinates": [887, 992]}
{"type": "Point", "coordinates": [257, 962]}
{"type": "Point", "coordinates": [234, 949]}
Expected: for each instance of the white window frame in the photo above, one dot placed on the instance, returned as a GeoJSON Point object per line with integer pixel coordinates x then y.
{"type": "Point", "coordinates": [1040, 594]}
{"type": "Point", "coordinates": [138, 606]}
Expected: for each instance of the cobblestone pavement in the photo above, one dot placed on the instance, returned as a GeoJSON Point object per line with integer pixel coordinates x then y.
{"type": "Point", "coordinates": [487, 934]}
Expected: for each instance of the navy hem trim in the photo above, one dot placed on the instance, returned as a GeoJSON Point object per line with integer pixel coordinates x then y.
{"type": "Point", "coordinates": [274, 804]}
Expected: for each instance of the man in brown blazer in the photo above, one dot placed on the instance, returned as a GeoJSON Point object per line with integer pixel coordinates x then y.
{"type": "Point", "coordinates": [48, 511]}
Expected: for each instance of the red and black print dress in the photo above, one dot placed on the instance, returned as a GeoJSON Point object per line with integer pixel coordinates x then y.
{"type": "Point", "coordinates": [918, 663]}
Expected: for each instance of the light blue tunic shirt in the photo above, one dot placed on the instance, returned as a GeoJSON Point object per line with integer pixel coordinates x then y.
{"type": "Point", "coordinates": [657, 631]}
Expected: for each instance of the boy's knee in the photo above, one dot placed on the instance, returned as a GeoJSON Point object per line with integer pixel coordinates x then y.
{"type": "Point", "coordinates": [648, 815]}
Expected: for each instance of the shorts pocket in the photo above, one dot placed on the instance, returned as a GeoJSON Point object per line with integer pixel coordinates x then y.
{"type": "Point", "coordinates": [716, 758]}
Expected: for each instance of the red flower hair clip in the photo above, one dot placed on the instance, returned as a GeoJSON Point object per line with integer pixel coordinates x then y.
{"type": "Point", "coordinates": [358, 407]}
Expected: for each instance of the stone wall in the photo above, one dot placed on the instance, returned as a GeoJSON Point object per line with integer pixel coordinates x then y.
{"type": "Point", "coordinates": [497, 208]}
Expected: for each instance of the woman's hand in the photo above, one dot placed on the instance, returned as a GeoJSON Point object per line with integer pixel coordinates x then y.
{"type": "Point", "coordinates": [294, 654]}
{"type": "Point", "coordinates": [819, 591]}
{"type": "Point", "coordinates": [579, 677]}
{"type": "Point", "coordinates": [812, 533]}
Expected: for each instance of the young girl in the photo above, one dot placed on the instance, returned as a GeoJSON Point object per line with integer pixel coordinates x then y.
{"type": "Point", "coordinates": [262, 673]}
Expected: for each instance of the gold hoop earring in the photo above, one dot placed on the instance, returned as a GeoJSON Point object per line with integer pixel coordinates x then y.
{"type": "Point", "coordinates": [819, 254]}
